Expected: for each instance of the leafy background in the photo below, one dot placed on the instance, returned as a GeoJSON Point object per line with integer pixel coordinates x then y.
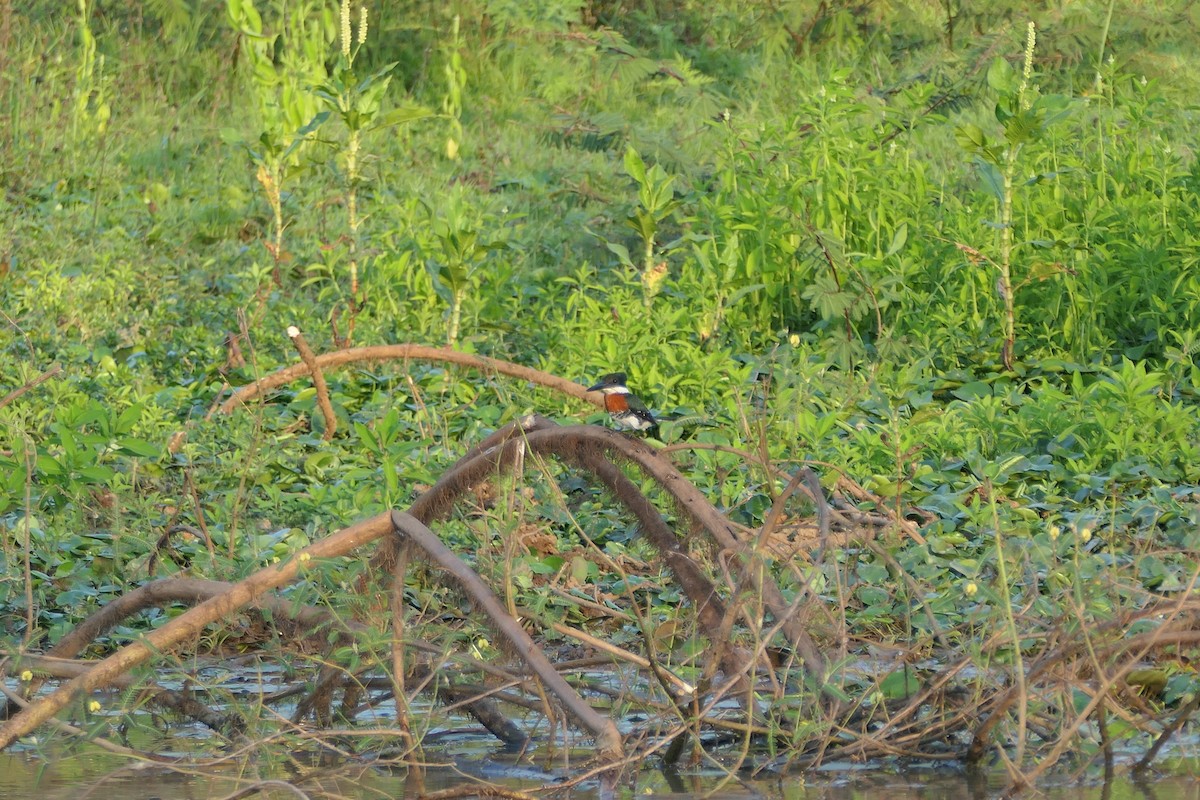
{"type": "Point", "coordinates": [895, 240]}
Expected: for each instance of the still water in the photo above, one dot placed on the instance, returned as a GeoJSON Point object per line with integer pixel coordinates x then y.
{"type": "Point", "coordinates": [460, 755]}
{"type": "Point", "coordinates": [78, 773]}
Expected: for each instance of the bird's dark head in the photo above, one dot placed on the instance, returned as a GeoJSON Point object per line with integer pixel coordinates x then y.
{"type": "Point", "coordinates": [612, 383]}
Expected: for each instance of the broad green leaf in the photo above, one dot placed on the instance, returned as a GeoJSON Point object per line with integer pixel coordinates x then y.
{"type": "Point", "coordinates": [898, 239]}
{"type": "Point", "coordinates": [621, 251]}
{"type": "Point", "coordinates": [402, 116]}
{"type": "Point", "coordinates": [48, 465]}
{"type": "Point", "coordinates": [634, 165]}
{"type": "Point", "coordinates": [138, 447]}
{"type": "Point", "coordinates": [96, 474]}
{"type": "Point", "coordinates": [992, 179]}
{"type": "Point", "coordinates": [972, 390]}
{"type": "Point", "coordinates": [1002, 77]}
{"type": "Point", "coordinates": [971, 138]}
{"type": "Point", "coordinates": [128, 419]}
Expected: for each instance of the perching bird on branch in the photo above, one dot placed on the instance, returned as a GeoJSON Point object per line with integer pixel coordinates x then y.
{"type": "Point", "coordinates": [623, 407]}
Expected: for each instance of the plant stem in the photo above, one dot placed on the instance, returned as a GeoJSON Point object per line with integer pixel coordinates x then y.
{"type": "Point", "coordinates": [1011, 621]}
{"type": "Point", "coordinates": [352, 145]}
{"type": "Point", "coordinates": [1005, 287]}
{"type": "Point", "coordinates": [1103, 44]}
{"type": "Point", "coordinates": [455, 317]}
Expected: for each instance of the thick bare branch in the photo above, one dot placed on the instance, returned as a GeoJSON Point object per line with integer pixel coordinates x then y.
{"type": "Point", "coordinates": [608, 739]}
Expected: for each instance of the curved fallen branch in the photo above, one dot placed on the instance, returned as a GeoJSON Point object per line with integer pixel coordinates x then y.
{"type": "Point", "coordinates": [190, 591]}
{"type": "Point", "coordinates": [583, 445]}
{"type": "Point", "coordinates": [409, 352]}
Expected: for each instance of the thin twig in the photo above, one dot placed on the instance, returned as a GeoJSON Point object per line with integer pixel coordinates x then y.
{"type": "Point", "coordinates": [38, 381]}
{"type": "Point", "coordinates": [318, 379]}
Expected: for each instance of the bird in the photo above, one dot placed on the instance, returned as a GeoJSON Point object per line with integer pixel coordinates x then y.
{"type": "Point", "coordinates": [627, 412]}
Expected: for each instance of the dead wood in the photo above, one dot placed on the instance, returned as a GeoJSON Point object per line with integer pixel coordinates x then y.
{"type": "Point", "coordinates": [838, 510]}
{"type": "Point", "coordinates": [190, 624]}
{"type": "Point", "coordinates": [590, 446]}
{"type": "Point", "coordinates": [601, 441]}
{"type": "Point", "coordinates": [485, 709]}
{"type": "Point", "coordinates": [1106, 640]}
{"type": "Point", "coordinates": [163, 544]}
{"type": "Point", "coordinates": [318, 379]}
{"type": "Point", "coordinates": [409, 352]}
{"type": "Point", "coordinates": [608, 739]}
{"type": "Point", "coordinates": [290, 620]}
{"type": "Point", "coordinates": [709, 608]}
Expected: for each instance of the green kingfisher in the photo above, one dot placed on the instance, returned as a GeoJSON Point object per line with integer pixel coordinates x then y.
{"type": "Point", "coordinates": [625, 409]}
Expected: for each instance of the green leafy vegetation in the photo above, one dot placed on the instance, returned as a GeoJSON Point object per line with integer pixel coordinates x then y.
{"type": "Point", "coordinates": [945, 255]}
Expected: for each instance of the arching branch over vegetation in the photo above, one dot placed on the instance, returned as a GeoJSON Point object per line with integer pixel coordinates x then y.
{"type": "Point", "coordinates": [409, 352]}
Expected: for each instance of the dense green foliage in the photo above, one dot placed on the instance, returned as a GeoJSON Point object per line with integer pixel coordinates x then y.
{"type": "Point", "coordinates": [795, 224]}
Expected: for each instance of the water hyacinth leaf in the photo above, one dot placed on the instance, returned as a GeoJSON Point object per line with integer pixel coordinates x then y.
{"type": "Point", "coordinates": [900, 684]}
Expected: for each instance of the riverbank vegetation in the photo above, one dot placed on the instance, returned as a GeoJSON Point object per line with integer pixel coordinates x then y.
{"type": "Point", "coordinates": [912, 288]}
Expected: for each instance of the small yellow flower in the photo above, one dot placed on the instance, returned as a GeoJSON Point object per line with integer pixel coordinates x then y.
{"type": "Point", "coordinates": [970, 589]}
{"type": "Point", "coordinates": [1054, 531]}
{"type": "Point", "coordinates": [94, 706]}
{"type": "Point", "coordinates": [305, 557]}
{"type": "Point", "coordinates": [794, 340]}
{"type": "Point", "coordinates": [1085, 535]}
{"type": "Point", "coordinates": [27, 676]}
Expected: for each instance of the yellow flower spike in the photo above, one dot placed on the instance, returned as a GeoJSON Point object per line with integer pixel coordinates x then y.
{"type": "Point", "coordinates": [345, 24]}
